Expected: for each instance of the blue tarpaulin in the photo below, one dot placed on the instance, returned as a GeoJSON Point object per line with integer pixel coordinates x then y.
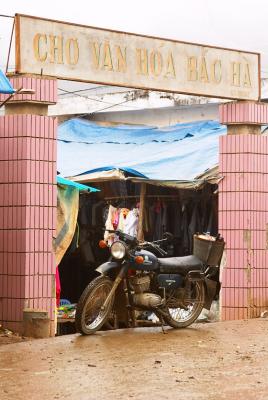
{"type": "Point", "coordinates": [125, 170]}
{"type": "Point", "coordinates": [79, 186]}
{"type": "Point", "coordinates": [182, 151]}
{"type": "Point", "coordinates": [5, 85]}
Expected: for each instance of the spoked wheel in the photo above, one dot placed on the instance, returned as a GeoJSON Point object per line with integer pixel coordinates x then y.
{"type": "Point", "coordinates": [90, 313]}
{"type": "Point", "coordinates": [182, 317]}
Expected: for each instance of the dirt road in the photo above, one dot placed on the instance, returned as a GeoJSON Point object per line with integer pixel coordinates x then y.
{"type": "Point", "coordinates": [227, 360]}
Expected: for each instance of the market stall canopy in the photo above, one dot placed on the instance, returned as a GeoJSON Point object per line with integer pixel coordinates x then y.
{"type": "Point", "coordinates": [107, 174]}
{"type": "Point", "coordinates": [179, 152]}
{"type": "Point", "coordinates": [5, 85]}
{"type": "Point", "coordinates": [194, 184]}
{"type": "Point", "coordinates": [79, 186]}
{"type": "Point", "coordinates": [113, 174]}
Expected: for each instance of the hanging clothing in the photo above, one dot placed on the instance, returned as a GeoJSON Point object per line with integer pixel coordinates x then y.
{"type": "Point", "coordinates": [85, 245]}
{"type": "Point", "coordinates": [109, 225]}
{"type": "Point", "coordinates": [58, 287]}
{"type": "Point", "coordinates": [85, 210]}
{"type": "Point", "coordinates": [164, 219]}
{"type": "Point", "coordinates": [195, 225]}
{"type": "Point", "coordinates": [115, 219]}
{"type": "Point", "coordinates": [184, 230]}
{"type": "Point", "coordinates": [122, 218]}
{"type": "Point", "coordinates": [131, 222]}
{"type": "Point", "coordinates": [158, 225]}
{"type": "Point", "coordinates": [97, 210]}
{"type": "Point", "coordinates": [177, 220]}
{"type": "Point", "coordinates": [121, 222]}
{"type": "Point", "coordinates": [212, 226]}
{"type": "Point", "coordinates": [151, 215]}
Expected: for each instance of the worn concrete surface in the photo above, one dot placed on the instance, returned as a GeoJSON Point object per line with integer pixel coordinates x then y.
{"type": "Point", "coordinates": [227, 360]}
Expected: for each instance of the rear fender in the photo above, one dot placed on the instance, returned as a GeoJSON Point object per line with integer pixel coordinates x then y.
{"type": "Point", "coordinates": [211, 290]}
{"type": "Point", "coordinates": [108, 266]}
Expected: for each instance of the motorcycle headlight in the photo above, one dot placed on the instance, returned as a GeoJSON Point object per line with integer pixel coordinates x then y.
{"type": "Point", "coordinates": [118, 250]}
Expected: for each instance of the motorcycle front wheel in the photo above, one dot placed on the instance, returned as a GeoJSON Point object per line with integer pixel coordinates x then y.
{"type": "Point", "coordinates": [182, 317]}
{"type": "Point", "coordinates": [90, 315]}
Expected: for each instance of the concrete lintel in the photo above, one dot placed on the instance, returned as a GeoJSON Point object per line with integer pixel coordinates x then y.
{"type": "Point", "coordinates": [26, 108]}
{"type": "Point", "coordinates": [243, 129]}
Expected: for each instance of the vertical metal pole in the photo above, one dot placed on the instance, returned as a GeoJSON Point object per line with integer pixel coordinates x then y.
{"type": "Point", "coordinates": [10, 44]}
{"type": "Point", "coordinates": [140, 234]}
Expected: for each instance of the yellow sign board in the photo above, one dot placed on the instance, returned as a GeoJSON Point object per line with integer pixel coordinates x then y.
{"type": "Point", "coordinates": [87, 54]}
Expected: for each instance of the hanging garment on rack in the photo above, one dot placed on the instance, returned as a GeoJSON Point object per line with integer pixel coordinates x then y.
{"type": "Point", "coordinates": [115, 219]}
{"type": "Point", "coordinates": [109, 225]}
{"type": "Point", "coordinates": [131, 222]}
{"type": "Point", "coordinates": [164, 218]}
{"type": "Point", "coordinates": [177, 220]}
{"type": "Point", "coordinates": [122, 217]}
{"type": "Point", "coordinates": [151, 216]}
{"type": "Point", "coordinates": [184, 229]}
{"type": "Point", "coordinates": [85, 211]}
{"type": "Point", "coordinates": [121, 222]}
{"type": "Point", "coordinates": [194, 225]}
{"type": "Point", "coordinates": [158, 225]}
{"type": "Point", "coordinates": [105, 213]}
{"type": "Point", "coordinates": [212, 222]}
{"type": "Point", "coordinates": [85, 245]}
{"type": "Point", "coordinates": [58, 287]}
{"type": "Point", "coordinates": [97, 210]}
{"type": "Point", "coordinates": [205, 206]}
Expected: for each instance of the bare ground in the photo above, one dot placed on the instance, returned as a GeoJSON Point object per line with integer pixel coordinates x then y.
{"type": "Point", "coordinates": [227, 360]}
{"type": "Point", "coordinates": [9, 337]}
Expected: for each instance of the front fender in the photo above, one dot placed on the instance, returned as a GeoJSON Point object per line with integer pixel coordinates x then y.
{"type": "Point", "coordinates": [104, 268]}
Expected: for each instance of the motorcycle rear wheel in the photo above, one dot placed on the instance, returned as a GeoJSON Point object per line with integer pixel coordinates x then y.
{"type": "Point", "coordinates": [179, 318]}
{"type": "Point", "coordinates": [90, 316]}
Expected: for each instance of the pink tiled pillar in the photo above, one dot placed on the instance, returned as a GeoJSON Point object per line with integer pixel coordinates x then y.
{"type": "Point", "coordinates": [243, 210]}
{"type": "Point", "coordinates": [27, 206]}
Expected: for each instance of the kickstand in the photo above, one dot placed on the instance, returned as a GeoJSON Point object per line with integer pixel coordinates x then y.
{"type": "Point", "coordinates": [162, 324]}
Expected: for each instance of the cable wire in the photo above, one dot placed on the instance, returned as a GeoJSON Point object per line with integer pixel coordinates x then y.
{"type": "Point", "coordinates": [7, 16]}
{"type": "Point", "coordinates": [97, 100]}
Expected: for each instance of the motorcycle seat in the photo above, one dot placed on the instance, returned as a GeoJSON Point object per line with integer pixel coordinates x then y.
{"type": "Point", "coordinates": [180, 264]}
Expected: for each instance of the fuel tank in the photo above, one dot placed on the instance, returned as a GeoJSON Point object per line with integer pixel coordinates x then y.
{"type": "Point", "coordinates": [150, 261]}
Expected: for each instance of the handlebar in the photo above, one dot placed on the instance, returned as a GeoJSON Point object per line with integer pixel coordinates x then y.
{"type": "Point", "coordinates": [123, 236]}
{"type": "Point", "coordinates": [134, 241]}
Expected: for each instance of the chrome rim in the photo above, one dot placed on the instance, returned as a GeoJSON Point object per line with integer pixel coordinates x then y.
{"type": "Point", "coordinates": [93, 314]}
{"type": "Point", "coordinates": [183, 315]}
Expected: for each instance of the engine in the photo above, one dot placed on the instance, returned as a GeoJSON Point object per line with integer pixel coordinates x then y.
{"type": "Point", "coordinates": [140, 282]}
{"type": "Point", "coordinates": [142, 297]}
{"type": "Point", "coordinates": [171, 286]}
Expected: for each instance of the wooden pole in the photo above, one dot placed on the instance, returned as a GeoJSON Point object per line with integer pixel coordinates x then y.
{"type": "Point", "coordinates": [140, 235]}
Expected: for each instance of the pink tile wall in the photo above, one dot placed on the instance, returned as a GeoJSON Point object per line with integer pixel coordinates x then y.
{"type": "Point", "coordinates": [45, 89]}
{"type": "Point", "coordinates": [243, 221]}
{"type": "Point", "coordinates": [27, 215]}
{"type": "Point", "coordinates": [243, 113]}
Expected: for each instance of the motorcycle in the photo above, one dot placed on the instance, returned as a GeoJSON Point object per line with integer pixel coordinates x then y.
{"type": "Point", "coordinates": [175, 289]}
